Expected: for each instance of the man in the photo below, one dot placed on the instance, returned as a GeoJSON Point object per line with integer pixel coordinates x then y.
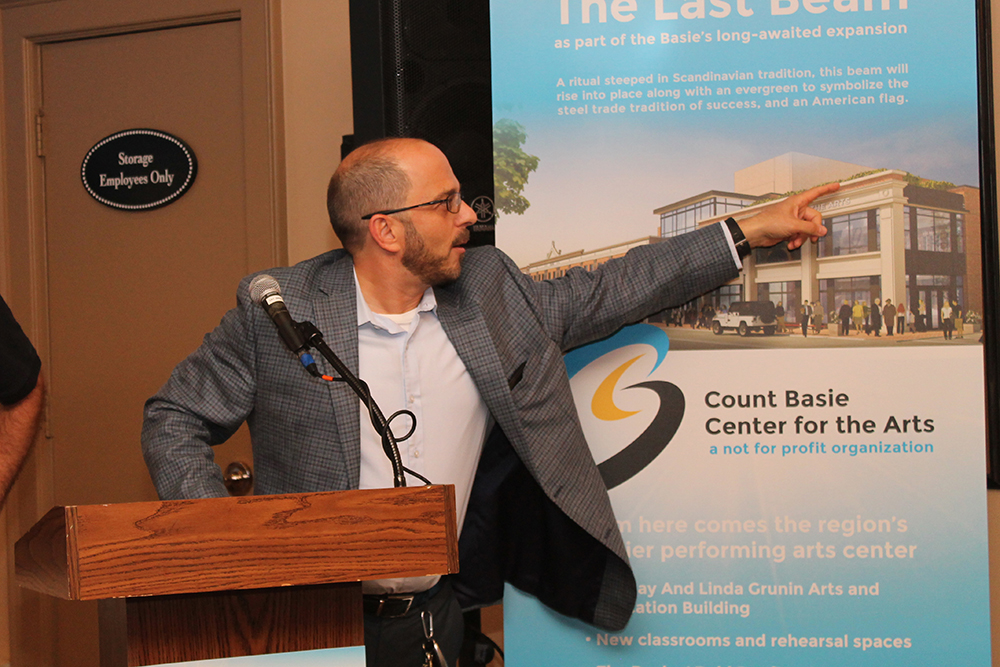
{"type": "Point", "coordinates": [806, 312]}
{"type": "Point", "coordinates": [946, 321]}
{"type": "Point", "coordinates": [20, 397]}
{"type": "Point", "coordinates": [845, 318]}
{"type": "Point", "coordinates": [889, 317]}
{"type": "Point", "coordinates": [475, 351]}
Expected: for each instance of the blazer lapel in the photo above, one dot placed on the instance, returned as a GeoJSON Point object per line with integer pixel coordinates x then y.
{"type": "Point", "coordinates": [336, 314]}
{"type": "Point", "coordinates": [467, 330]}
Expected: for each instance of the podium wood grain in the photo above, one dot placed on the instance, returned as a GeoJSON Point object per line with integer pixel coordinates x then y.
{"type": "Point", "coordinates": [178, 628]}
{"type": "Point", "coordinates": [89, 552]}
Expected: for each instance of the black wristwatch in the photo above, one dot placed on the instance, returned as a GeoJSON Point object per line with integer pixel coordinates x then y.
{"type": "Point", "coordinates": [739, 239]}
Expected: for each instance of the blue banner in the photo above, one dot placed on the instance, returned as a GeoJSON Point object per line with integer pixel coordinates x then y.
{"type": "Point", "coordinates": [816, 490]}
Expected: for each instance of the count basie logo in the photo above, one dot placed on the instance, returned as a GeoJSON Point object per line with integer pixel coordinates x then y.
{"type": "Point", "coordinates": [639, 453]}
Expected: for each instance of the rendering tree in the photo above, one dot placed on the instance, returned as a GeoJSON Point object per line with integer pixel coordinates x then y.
{"type": "Point", "coordinates": [511, 166]}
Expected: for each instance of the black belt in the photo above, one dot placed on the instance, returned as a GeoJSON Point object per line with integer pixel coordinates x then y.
{"type": "Point", "coordinates": [397, 605]}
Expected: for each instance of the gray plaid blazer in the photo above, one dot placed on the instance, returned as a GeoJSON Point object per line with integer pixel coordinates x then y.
{"type": "Point", "coordinates": [539, 515]}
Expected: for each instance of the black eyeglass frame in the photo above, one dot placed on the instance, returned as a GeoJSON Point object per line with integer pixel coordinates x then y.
{"type": "Point", "coordinates": [453, 197]}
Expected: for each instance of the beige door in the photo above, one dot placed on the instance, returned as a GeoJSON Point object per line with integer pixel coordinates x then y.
{"type": "Point", "coordinates": [132, 293]}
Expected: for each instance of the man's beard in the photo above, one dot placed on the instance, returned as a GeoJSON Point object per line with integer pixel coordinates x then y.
{"type": "Point", "coordinates": [433, 271]}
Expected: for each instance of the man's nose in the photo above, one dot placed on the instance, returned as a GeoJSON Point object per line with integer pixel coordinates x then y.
{"type": "Point", "coordinates": [466, 215]}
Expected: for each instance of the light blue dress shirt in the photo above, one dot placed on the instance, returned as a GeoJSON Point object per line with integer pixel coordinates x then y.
{"type": "Point", "coordinates": [409, 363]}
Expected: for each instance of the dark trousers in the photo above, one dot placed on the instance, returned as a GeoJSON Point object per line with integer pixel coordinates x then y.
{"type": "Point", "coordinates": [399, 642]}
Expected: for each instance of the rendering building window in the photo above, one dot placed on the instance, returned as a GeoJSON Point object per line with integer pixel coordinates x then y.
{"type": "Point", "coordinates": [686, 216]}
{"type": "Point", "coordinates": [775, 254]}
{"type": "Point", "coordinates": [933, 231]}
{"type": "Point", "coordinates": [851, 234]}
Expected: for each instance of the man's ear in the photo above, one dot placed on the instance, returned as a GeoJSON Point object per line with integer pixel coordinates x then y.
{"type": "Point", "coordinates": [386, 232]}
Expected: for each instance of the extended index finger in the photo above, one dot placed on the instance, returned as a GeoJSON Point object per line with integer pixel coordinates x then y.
{"type": "Point", "coordinates": [807, 197]}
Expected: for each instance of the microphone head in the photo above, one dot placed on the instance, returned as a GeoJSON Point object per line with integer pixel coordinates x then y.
{"type": "Point", "coordinates": [263, 286]}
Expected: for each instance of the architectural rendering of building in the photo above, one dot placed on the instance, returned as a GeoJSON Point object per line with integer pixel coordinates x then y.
{"type": "Point", "coordinates": [891, 236]}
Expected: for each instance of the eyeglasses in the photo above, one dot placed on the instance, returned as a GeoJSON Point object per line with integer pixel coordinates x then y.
{"type": "Point", "coordinates": [453, 201]}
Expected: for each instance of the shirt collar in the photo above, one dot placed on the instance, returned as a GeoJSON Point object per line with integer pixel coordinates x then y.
{"type": "Point", "coordinates": [428, 302]}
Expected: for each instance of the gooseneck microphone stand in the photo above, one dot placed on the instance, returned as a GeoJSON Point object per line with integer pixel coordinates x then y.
{"type": "Point", "coordinates": [314, 339]}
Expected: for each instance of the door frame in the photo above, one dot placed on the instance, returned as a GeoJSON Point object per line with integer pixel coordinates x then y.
{"type": "Point", "coordinates": [26, 27]}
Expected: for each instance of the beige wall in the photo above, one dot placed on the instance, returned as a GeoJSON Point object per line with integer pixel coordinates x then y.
{"type": "Point", "coordinates": [316, 53]}
{"type": "Point", "coordinates": [314, 66]}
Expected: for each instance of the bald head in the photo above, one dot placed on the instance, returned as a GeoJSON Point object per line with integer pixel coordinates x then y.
{"type": "Point", "coordinates": [372, 178]}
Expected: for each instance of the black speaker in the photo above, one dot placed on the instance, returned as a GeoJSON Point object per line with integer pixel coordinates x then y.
{"type": "Point", "coordinates": [422, 69]}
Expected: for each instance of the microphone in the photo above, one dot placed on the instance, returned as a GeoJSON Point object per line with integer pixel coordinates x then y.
{"type": "Point", "coordinates": [264, 290]}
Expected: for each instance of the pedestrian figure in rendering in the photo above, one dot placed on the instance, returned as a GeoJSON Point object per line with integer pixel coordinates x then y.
{"type": "Point", "coordinates": [946, 320]}
{"type": "Point", "coordinates": [889, 316]}
{"type": "Point", "coordinates": [845, 318]}
{"type": "Point", "coordinates": [806, 312]}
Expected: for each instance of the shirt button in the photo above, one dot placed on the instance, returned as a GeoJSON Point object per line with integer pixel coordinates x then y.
{"type": "Point", "coordinates": [416, 454]}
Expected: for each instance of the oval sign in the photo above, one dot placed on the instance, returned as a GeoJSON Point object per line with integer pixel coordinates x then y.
{"type": "Point", "coordinates": [138, 170]}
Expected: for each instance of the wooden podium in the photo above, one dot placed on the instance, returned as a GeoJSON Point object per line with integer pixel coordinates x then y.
{"type": "Point", "coordinates": [198, 579]}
